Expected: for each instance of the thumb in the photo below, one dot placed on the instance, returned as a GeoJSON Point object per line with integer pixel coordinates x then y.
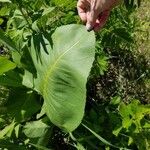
{"type": "Point", "coordinates": [92, 16]}
{"type": "Point", "coordinates": [91, 19]}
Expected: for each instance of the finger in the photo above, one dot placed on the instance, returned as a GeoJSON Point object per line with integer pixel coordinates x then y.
{"type": "Point", "coordinates": [101, 21]}
{"type": "Point", "coordinates": [82, 6]}
{"type": "Point", "coordinates": [92, 15]}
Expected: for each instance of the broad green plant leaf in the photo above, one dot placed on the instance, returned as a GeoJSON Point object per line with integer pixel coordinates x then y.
{"type": "Point", "coordinates": [22, 104]}
{"type": "Point", "coordinates": [35, 129]}
{"type": "Point", "coordinates": [39, 131]}
{"type": "Point", "coordinates": [11, 78]}
{"type": "Point", "coordinates": [62, 73]}
{"type": "Point", "coordinates": [6, 65]}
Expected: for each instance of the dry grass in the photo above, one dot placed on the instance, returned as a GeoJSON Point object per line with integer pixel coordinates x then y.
{"type": "Point", "coordinates": [143, 33]}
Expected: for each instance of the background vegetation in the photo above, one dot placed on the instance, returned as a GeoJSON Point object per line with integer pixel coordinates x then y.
{"type": "Point", "coordinates": [118, 88]}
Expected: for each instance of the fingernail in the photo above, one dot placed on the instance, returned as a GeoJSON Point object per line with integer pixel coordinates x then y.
{"type": "Point", "coordinates": [89, 27]}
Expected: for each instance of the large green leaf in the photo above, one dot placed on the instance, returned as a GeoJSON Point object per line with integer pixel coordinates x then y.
{"type": "Point", "coordinates": [39, 132]}
{"type": "Point", "coordinates": [22, 104]}
{"type": "Point", "coordinates": [5, 65]}
{"type": "Point", "coordinates": [62, 73]}
{"type": "Point", "coordinates": [35, 129]}
{"type": "Point", "coordinates": [11, 78]}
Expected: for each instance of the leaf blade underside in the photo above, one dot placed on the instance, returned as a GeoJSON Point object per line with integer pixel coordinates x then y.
{"type": "Point", "coordinates": [61, 76]}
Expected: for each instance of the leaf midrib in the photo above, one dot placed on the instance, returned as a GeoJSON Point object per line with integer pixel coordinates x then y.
{"type": "Point", "coordinates": [51, 67]}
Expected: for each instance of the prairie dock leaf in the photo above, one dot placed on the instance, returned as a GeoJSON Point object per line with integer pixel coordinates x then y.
{"type": "Point", "coordinates": [62, 71]}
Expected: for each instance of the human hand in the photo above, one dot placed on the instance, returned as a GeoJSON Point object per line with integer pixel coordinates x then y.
{"type": "Point", "coordinates": [95, 12]}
